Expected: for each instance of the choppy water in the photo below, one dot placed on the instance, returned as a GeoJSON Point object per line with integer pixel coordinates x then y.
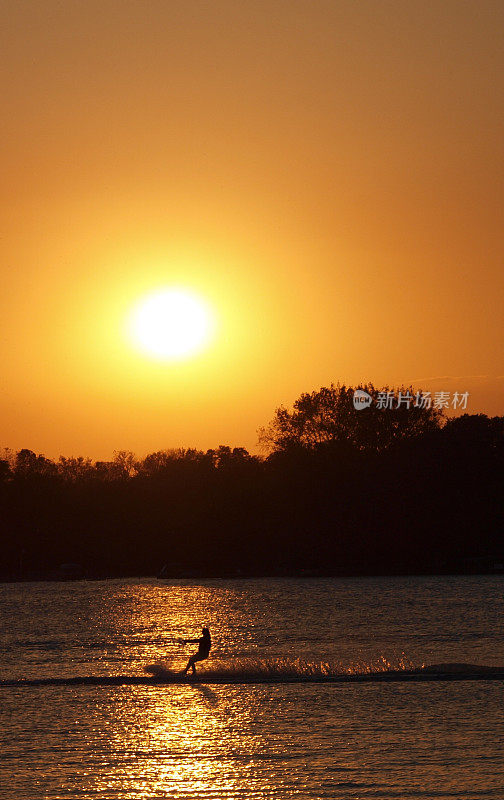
{"type": "Point", "coordinates": [283, 741]}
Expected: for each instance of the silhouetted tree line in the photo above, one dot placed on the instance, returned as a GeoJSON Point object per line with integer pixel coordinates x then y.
{"type": "Point", "coordinates": [339, 491]}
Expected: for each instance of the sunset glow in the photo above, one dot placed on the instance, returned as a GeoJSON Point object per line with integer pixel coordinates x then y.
{"type": "Point", "coordinates": [325, 179]}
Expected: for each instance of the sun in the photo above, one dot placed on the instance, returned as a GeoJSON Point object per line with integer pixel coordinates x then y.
{"type": "Point", "coordinates": [171, 324]}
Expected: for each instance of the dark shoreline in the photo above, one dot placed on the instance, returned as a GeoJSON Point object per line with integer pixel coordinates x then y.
{"type": "Point", "coordinates": [197, 576]}
{"type": "Point", "coordinates": [425, 503]}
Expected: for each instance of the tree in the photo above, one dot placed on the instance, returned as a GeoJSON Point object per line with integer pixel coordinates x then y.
{"type": "Point", "coordinates": [5, 471]}
{"type": "Point", "coordinates": [74, 469]}
{"type": "Point", "coordinates": [126, 463]}
{"type": "Point", "coordinates": [164, 462]}
{"type": "Point", "coordinates": [327, 417]}
{"type": "Point", "coordinates": [28, 465]}
{"type": "Point", "coordinates": [476, 433]}
{"type": "Point", "coordinates": [226, 457]}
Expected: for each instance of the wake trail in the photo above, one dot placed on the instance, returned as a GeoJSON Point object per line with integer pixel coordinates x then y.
{"type": "Point", "coordinates": [161, 675]}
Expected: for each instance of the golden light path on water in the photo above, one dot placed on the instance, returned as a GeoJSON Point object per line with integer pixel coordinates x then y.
{"type": "Point", "coordinates": [190, 741]}
{"type": "Point", "coordinates": [198, 741]}
{"type": "Point", "coordinates": [250, 741]}
{"type": "Point", "coordinates": [184, 742]}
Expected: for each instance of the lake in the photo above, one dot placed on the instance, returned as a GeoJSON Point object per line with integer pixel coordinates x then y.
{"type": "Point", "coordinates": [309, 740]}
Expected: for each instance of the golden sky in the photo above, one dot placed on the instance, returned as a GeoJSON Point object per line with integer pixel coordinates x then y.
{"type": "Point", "coordinates": [326, 174]}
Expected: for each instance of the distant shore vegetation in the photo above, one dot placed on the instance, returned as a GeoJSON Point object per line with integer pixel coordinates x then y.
{"type": "Point", "coordinates": [335, 491]}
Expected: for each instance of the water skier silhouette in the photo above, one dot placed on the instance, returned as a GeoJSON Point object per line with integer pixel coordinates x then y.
{"type": "Point", "coordinates": [205, 644]}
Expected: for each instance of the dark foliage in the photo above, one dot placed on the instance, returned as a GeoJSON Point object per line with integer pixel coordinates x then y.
{"type": "Point", "coordinates": [340, 492]}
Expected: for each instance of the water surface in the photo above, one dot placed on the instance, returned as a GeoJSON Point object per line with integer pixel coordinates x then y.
{"type": "Point", "coordinates": [435, 740]}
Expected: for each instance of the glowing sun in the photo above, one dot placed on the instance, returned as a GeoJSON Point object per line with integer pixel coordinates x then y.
{"type": "Point", "coordinates": [171, 324]}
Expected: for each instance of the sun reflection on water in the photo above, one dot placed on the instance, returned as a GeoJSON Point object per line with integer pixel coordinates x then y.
{"type": "Point", "coordinates": [184, 741]}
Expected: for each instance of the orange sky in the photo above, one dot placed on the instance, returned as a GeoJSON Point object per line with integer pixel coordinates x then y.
{"type": "Point", "coordinates": [327, 175]}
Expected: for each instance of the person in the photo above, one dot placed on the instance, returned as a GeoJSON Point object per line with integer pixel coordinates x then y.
{"type": "Point", "coordinates": [205, 644]}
